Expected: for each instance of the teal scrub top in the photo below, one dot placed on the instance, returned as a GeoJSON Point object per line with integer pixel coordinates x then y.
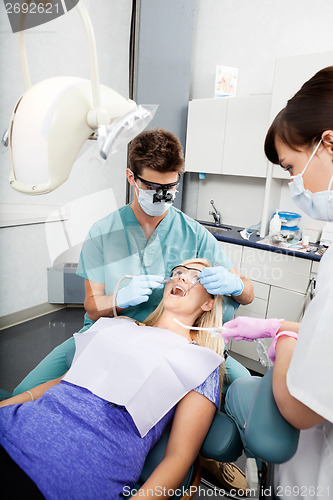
{"type": "Point", "coordinates": [116, 245]}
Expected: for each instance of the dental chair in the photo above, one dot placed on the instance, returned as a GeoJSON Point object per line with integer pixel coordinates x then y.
{"type": "Point", "coordinates": [266, 436]}
{"type": "Point", "coordinates": [269, 439]}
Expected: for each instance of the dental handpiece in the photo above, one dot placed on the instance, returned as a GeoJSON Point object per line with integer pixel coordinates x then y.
{"type": "Point", "coordinates": [167, 280]}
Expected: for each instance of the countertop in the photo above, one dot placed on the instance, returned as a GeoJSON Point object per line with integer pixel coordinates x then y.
{"type": "Point", "coordinates": [233, 236]}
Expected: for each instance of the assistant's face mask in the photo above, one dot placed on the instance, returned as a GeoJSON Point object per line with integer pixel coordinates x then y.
{"type": "Point", "coordinates": [317, 205]}
{"type": "Point", "coordinates": [151, 207]}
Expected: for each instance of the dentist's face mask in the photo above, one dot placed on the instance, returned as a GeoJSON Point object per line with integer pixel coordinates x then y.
{"type": "Point", "coordinates": [158, 198]}
{"type": "Point", "coordinates": [317, 205]}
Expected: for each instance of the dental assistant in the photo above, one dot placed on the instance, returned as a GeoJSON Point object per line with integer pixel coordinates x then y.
{"type": "Point", "coordinates": [146, 239]}
{"type": "Point", "coordinates": [300, 139]}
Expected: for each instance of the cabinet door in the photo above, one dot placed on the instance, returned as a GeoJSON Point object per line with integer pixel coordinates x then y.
{"type": "Point", "coordinates": [257, 309]}
{"type": "Point", "coordinates": [273, 268]}
{"type": "Point", "coordinates": [246, 128]}
{"type": "Point", "coordinates": [243, 347]}
{"type": "Point", "coordinates": [285, 304]}
{"type": "Point", "coordinates": [289, 75]}
{"type": "Point", "coordinates": [205, 135]}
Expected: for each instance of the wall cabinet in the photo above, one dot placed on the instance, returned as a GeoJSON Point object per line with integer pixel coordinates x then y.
{"type": "Point", "coordinates": [205, 135]}
{"type": "Point", "coordinates": [226, 135]}
{"type": "Point", "coordinates": [289, 75]}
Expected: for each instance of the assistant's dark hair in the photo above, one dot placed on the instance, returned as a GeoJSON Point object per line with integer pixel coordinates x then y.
{"type": "Point", "coordinates": [306, 116]}
{"type": "Point", "coordinates": [157, 149]}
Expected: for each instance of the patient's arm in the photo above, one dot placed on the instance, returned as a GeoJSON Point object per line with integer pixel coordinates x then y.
{"type": "Point", "coordinates": [37, 392]}
{"type": "Point", "coordinates": [192, 420]}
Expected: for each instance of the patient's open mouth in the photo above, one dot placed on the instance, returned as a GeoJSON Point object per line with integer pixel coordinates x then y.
{"type": "Point", "coordinates": [178, 290]}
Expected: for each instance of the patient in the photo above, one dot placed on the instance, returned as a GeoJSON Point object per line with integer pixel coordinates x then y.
{"type": "Point", "coordinates": [71, 443]}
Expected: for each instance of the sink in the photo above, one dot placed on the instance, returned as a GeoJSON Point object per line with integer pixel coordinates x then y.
{"type": "Point", "coordinates": [216, 229]}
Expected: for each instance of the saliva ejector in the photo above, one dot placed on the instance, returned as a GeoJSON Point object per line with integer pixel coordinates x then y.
{"type": "Point", "coordinates": [215, 331]}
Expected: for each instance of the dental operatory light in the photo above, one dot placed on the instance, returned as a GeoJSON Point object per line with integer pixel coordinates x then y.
{"type": "Point", "coordinates": [52, 120]}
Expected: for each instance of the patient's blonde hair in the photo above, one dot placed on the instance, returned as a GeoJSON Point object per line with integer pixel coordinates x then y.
{"type": "Point", "coordinates": [206, 319]}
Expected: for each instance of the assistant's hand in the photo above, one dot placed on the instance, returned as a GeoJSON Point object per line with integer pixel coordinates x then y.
{"type": "Point", "coordinates": [219, 281]}
{"type": "Point", "coordinates": [244, 328]}
{"type": "Point", "coordinates": [138, 290]}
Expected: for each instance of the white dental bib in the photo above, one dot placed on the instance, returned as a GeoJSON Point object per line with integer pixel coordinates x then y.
{"type": "Point", "coordinates": [146, 369]}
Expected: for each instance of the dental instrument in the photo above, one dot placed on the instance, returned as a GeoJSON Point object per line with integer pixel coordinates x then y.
{"type": "Point", "coordinates": [193, 284]}
{"type": "Point", "coordinates": [198, 279]}
{"type": "Point", "coordinates": [216, 331]}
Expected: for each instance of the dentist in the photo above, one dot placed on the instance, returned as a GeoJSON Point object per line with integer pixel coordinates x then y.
{"type": "Point", "coordinates": [146, 239]}
{"type": "Point", "coordinates": [300, 139]}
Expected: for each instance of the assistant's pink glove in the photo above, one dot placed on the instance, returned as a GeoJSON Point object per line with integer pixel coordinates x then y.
{"type": "Point", "coordinates": [244, 328]}
{"type": "Point", "coordinates": [272, 348]}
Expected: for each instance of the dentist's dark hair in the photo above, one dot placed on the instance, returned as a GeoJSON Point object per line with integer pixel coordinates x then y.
{"type": "Point", "coordinates": [157, 149]}
{"type": "Point", "coordinates": [306, 116]}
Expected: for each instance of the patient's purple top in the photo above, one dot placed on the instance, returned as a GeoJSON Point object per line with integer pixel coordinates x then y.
{"type": "Point", "coordinates": [77, 446]}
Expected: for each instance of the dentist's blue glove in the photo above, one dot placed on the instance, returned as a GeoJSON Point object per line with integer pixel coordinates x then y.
{"type": "Point", "coordinates": [219, 281]}
{"type": "Point", "coordinates": [138, 290]}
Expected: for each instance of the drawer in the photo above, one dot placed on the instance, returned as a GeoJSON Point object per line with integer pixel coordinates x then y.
{"type": "Point", "coordinates": [247, 349]}
{"type": "Point", "coordinates": [257, 306]}
{"type": "Point", "coordinates": [273, 268]}
{"type": "Point", "coordinates": [285, 304]}
{"type": "Point", "coordinates": [315, 267]}
{"type": "Point", "coordinates": [261, 290]}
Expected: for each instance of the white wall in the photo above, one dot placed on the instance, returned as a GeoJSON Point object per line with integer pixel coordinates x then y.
{"type": "Point", "coordinates": [55, 49]}
{"type": "Point", "coordinates": [248, 34]}
{"type": "Point", "coordinates": [243, 210]}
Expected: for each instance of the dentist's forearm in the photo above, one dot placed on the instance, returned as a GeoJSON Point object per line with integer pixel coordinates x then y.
{"type": "Point", "coordinates": [98, 306]}
{"type": "Point", "coordinates": [247, 296]}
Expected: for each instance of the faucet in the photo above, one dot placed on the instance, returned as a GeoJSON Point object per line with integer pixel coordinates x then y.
{"type": "Point", "coordinates": [215, 214]}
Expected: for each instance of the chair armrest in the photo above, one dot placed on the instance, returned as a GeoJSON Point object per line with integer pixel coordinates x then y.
{"type": "Point", "coordinates": [223, 442]}
{"type": "Point", "coordinates": [268, 435]}
{"type": "Point", "coordinates": [69, 356]}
